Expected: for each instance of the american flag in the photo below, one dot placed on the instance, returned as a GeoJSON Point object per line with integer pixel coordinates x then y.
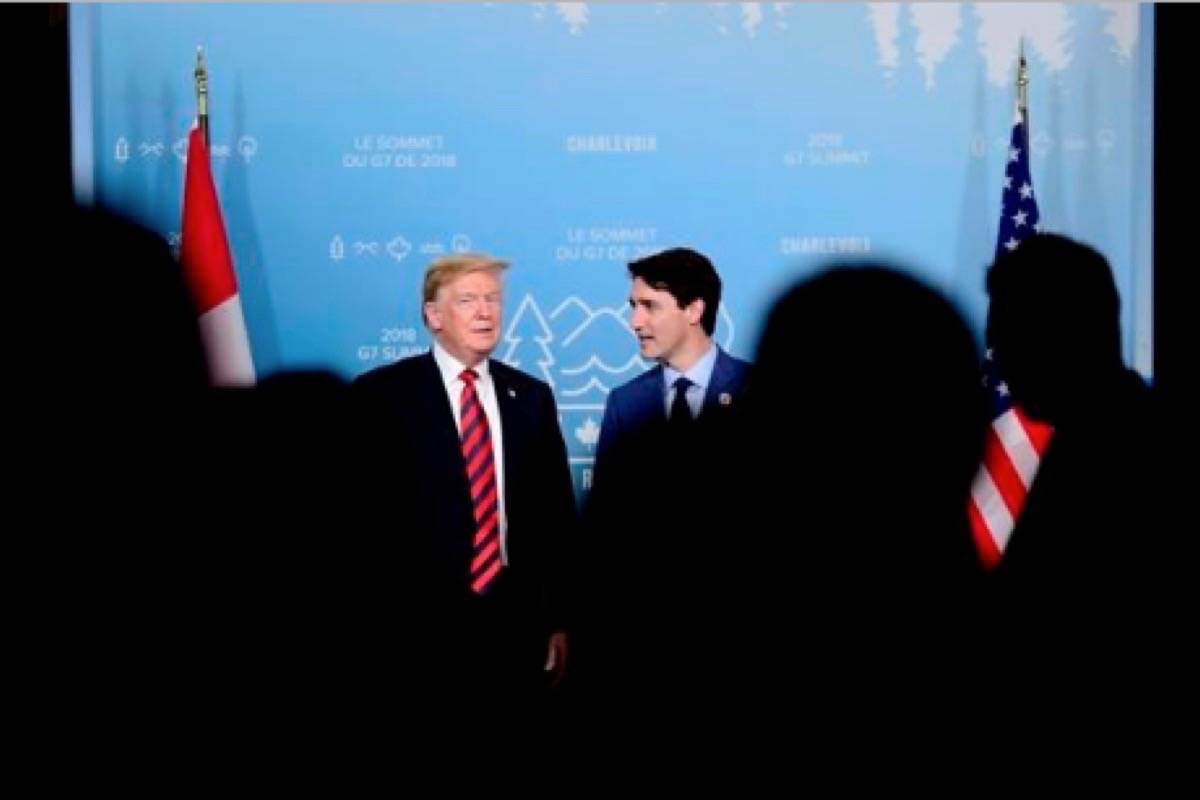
{"type": "Point", "coordinates": [1014, 446]}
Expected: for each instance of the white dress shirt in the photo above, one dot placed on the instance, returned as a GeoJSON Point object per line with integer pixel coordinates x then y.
{"type": "Point", "coordinates": [451, 368]}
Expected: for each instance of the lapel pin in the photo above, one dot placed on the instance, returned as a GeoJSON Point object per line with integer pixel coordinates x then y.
{"type": "Point", "coordinates": [512, 393]}
{"type": "Point", "coordinates": [725, 398]}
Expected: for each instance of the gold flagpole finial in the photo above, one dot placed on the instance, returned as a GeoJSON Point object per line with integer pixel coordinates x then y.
{"type": "Point", "coordinates": [201, 77]}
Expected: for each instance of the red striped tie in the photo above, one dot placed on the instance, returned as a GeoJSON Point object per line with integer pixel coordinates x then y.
{"type": "Point", "coordinates": [481, 477]}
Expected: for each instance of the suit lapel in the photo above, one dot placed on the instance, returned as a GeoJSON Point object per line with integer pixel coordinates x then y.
{"type": "Point", "coordinates": [650, 396]}
{"type": "Point", "coordinates": [719, 382]}
{"type": "Point", "coordinates": [444, 446]}
{"type": "Point", "coordinates": [511, 420]}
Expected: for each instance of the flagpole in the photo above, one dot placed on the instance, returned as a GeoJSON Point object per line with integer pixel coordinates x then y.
{"type": "Point", "coordinates": [201, 77]}
{"type": "Point", "coordinates": [1023, 85]}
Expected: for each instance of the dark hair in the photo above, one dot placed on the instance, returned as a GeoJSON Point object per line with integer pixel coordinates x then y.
{"type": "Point", "coordinates": [687, 275]}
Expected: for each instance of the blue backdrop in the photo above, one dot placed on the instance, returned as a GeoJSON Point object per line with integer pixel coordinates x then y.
{"type": "Point", "coordinates": [353, 143]}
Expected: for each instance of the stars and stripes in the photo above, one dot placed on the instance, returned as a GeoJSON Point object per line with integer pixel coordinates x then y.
{"type": "Point", "coordinates": [1014, 445]}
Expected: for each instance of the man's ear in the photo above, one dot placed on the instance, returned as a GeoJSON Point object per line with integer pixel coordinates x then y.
{"type": "Point", "coordinates": [694, 311]}
{"type": "Point", "coordinates": [433, 317]}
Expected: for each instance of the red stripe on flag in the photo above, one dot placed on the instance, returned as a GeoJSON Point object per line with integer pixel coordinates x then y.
{"type": "Point", "coordinates": [1004, 475]}
{"type": "Point", "coordinates": [204, 249]}
{"type": "Point", "coordinates": [1038, 432]}
{"type": "Point", "coordinates": [985, 545]}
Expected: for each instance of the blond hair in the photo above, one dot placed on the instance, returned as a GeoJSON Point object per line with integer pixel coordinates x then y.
{"type": "Point", "coordinates": [445, 269]}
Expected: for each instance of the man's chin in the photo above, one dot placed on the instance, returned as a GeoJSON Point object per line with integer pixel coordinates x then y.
{"type": "Point", "coordinates": [483, 350]}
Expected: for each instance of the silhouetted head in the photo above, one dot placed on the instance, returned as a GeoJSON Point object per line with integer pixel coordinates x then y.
{"type": "Point", "coordinates": [1054, 324]}
{"type": "Point", "coordinates": [867, 387]}
{"type": "Point", "coordinates": [139, 335]}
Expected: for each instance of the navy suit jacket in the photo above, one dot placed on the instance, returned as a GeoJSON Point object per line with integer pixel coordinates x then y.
{"type": "Point", "coordinates": [639, 404]}
{"type": "Point", "coordinates": [424, 484]}
{"type": "Point", "coordinates": [660, 534]}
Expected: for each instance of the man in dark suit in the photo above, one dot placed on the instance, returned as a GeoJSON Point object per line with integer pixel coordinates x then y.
{"type": "Point", "coordinates": [658, 489]}
{"type": "Point", "coordinates": [484, 506]}
{"type": "Point", "coordinates": [675, 297]}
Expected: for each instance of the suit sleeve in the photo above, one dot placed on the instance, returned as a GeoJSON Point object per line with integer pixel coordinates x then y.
{"type": "Point", "coordinates": [601, 505]}
{"type": "Point", "coordinates": [609, 431]}
{"type": "Point", "coordinates": [610, 434]}
{"type": "Point", "coordinates": [561, 523]}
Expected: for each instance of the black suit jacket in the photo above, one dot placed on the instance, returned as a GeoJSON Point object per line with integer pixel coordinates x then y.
{"type": "Point", "coordinates": [424, 492]}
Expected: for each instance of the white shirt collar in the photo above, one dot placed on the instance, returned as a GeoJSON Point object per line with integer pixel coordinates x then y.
{"type": "Point", "coordinates": [451, 368]}
{"type": "Point", "coordinates": [699, 373]}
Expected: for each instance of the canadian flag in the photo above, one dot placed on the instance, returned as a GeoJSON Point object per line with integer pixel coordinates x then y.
{"type": "Point", "coordinates": [208, 268]}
